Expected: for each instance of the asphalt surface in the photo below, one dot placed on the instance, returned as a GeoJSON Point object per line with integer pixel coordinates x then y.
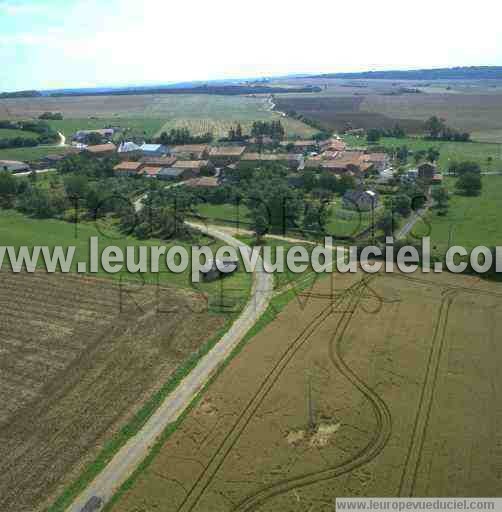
{"type": "Point", "coordinates": [131, 454]}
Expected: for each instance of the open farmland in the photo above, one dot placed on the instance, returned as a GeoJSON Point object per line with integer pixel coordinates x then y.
{"type": "Point", "coordinates": [6, 133]}
{"type": "Point", "coordinates": [469, 221]}
{"type": "Point", "coordinates": [340, 113]}
{"type": "Point", "coordinates": [30, 154]}
{"type": "Point", "coordinates": [19, 230]}
{"type": "Point", "coordinates": [152, 113]}
{"type": "Point", "coordinates": [480, 114]}
{"type": "Point", "coordinates": [473, 106]}
{"type": "Point", "coordinates": [384, 387]}
{"type": "Point", "coordinates": [79, 357]}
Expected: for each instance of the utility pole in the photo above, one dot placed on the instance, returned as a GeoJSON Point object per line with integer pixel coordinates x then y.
{"type": "Point", "coordinates": [310, 402]}
{"type": "Point", "coordinates": [450, 235]}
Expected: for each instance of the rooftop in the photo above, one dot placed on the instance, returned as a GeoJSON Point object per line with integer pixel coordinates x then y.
{"type": "Point", "coordinates": [191, 164]}
{"type": "Point", "coordinates": [128, 166]}
{"type": "Point", "coordinates": [205, 181]}
{"type": "Point", "coordinates": [159, 161]}
{"type": "Point", "coordinates": [190, 148]}
{"type": "Point", "coordinates": [227, 151]}
{"type": "Point", "coordinates": [102, 148]}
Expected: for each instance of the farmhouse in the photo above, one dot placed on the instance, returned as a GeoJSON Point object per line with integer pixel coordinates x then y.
{"type": "Point", "coordinates": [194, 166]}
{"type": "Point", "coordinates": [102, 149]}
{"type": "Point", "coordinates": [427, 171]}
{"type": "Point", "coordinates": [379, 161]}
{"type": "Point", "coordinates": [173, 174]}
{"type": "Point", "coordinates": [225, 155]}
{"type": "Point", "coordinates": [343, 162]}
{"type": "Point", "coordinates": [332, 145]}
{"type": "Point", "coordinates": [191, 151]}
{"type": "Point", "coordinates": [128, 148]}
{"type": "Point", "coordinates": [204, 182]}
{"type": "Point", "coordinates": [360, 199]}
{"type": "Point", "coordinates": [154, 150]}
{"type": "Point", "coordinates": [128, 168]}
{"type": "Point", "coordinates": [290, 160]}
{"type": "Point", "coordinates": [13, 166]}
{"type": "Point", "coordinates": [163, 161]}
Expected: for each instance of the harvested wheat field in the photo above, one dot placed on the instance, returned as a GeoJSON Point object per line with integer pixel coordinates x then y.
{"type": "Point", "coordinates": [78, 357]}
{"type": "Point", "coordinates": [386, 386]}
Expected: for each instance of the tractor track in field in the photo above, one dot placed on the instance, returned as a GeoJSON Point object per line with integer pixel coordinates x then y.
{"type": "Point", "coordinates": [211, 468]}
{"type": "Point", "coordinates": [370, 451]}
{"type": "Point", "coordinates": [414, 454]}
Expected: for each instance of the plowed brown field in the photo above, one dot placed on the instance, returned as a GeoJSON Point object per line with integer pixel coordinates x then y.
{"type": "Point", "coordinates": [78, 358]}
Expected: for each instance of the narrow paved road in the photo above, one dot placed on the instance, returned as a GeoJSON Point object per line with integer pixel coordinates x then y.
{"type": "Point", "coordinates": [410, 223]}
{"type": "Point", "coordinates": [131, 454]}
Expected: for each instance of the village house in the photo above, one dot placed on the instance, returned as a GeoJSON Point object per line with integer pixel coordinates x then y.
{"type": "Point", "coordinates": [332, 145]}
{"type": "Point", "coordinates": [195, 167]}
{"type": "Point", "coordinates": [102, 149]}
{"type": "Point", "coordinates": [162, 161]}
{"type": "Point", "coordinates": [204, 182]}
{"type": "Point", "coordinates": [427, 171]}
{"type": "Point", "coordinates": [191, 151]}
{"type": "Point", "coordinates": [291, 161]}
{"type": "Point", "coordinates": [379, 161]}
{"type": "Point", "coordinates": [343, 162]}
{"type": "Point", "coordinates": [362, 200]}
{"type": "Point", "coordinates": [128, 148]}
{"type": "Point", "coordinates": [173, 174]}
{"type": "Point", "coordinates": [128, 168]}
{"type": "Point", "coordinates": [154, 150]}
{"type": "Point", "coordinates": [224, 155]}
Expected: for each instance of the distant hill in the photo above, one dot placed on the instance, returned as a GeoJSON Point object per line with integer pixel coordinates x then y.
{"type": "Point", "coordinates": [460, 73]}
{"type": "Point", "coordinates": [226, 90]}
{"type": "Point", "coordinates": [20, 94]}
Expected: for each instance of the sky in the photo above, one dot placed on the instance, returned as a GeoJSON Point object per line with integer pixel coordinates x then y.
{"type": "Point", "coordinates": [90, 43]}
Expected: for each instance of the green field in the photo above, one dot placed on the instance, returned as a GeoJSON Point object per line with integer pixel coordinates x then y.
{"type": "Point", "coordinates": [154, 113]}
{"type": "Point", "coordinates": [18, 230]}
{"type": "Point", "coordinates": [29, 154]}
{"type": "Point", "coordinates": [219, 127]}
{"type": "Point", "coordinates": [470, 221]}
{"type": "Point", "coordinates": [138, 126]}
{"type": "Point", "coordinates": [224, 213]}
{"type": "Point", "coordinates": [450, 151]}
{"type": "Point", "coordinates": [344, 222]}
{"type": "Point", "coordinates": [7, 133]}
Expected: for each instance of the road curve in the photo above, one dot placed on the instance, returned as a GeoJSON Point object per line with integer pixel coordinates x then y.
{"type": "Point", "coordinates": [136, 449]}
